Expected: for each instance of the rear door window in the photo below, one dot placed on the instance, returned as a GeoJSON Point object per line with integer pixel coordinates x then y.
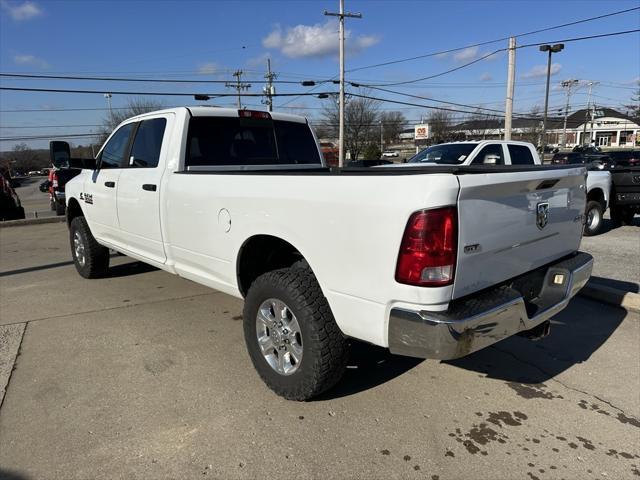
{"type": "Point", "coordinates": [232, 141]}
{"type": "Point", "coordinates": [145, 151]}
{"type": "Point", "coordinates": [490, 155]}
{"type": "Point", "coordinates": [520, 155]}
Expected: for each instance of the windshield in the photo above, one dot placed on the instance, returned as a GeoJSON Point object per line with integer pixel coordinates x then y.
{"type": "Point", "coordinates": [448, 154]}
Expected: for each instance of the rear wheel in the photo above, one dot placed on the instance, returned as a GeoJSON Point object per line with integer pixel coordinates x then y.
{"type": "Point", "coordinates": [90, 258]}
{"type": "Point", "coordinates": [291, 335]}
{"type": "Point", "coordinates": [594, 213]}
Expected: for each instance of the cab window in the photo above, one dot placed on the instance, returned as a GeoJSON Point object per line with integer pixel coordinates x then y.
{"type": "Point", "coordinates": [490, 155]}
{"type": "Point", "coordinates": [145, 151]}
{"type": "Point", "coordinates": [113, 153]}
{"type": "Point", "coordinates": [520, 155]}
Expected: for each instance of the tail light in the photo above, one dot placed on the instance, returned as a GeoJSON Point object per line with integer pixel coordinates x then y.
{"type": "Point", "coordinates": [427, 255]}
{"type": "Point", "coordinates": [54, 180]}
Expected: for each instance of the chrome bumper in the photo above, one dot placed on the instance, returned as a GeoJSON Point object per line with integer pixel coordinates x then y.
{"type": "Point", "coordinates": [481, 320]}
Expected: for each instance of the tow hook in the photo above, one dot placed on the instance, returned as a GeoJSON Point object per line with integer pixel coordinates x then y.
{"type": "Point", "coordinates": [537, 333]}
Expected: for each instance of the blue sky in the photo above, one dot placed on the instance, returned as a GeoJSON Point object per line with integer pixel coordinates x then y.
{"type": "Point", "coordinates": [210, 39]}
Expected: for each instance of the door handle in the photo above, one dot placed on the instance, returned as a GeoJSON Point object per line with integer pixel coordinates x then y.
{"type": "Point", "coordinates": [149, 187]}
{"type": "Point", "coordinates": [110, 184]}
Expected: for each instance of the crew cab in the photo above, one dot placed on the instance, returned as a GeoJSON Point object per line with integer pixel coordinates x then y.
{"type": "Point", "coordinates": [483, 152]}
{"type": "Point", "coordinates": [433, 262]}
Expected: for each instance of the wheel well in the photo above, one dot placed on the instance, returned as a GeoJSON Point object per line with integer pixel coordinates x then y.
{"type": "Point", "coordinates": [261, 254]}
{"type": "Point", "coordinates": [597, 195]}
{"type": "Point", "coordinates": [73, 210]}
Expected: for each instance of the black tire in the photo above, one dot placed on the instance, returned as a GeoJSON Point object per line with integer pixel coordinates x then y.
{"type": "Point", "coordinates": [96, 257]}
{"type": "Point", "coordinates": [52, 205]}
{"type": "Point", "coordinates": [594, 214]}
{"type": "Point", "coordinates": [622, 216]}
{"type": "Point", "coordinates": [324, 348]}
{"type": "Point", "coordinates": [60, 208]}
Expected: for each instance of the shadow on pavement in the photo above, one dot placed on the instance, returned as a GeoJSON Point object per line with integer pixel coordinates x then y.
{"type": "Point", "coordinates": [368, 367]}
{"type": "Point", "coordinates": [576, 333]}
{"type": "Point", "coordinates": [11, 475]}
{"type": "Point", "coordinates": [123, 270]}
{"type": "Point", "coordinates": [127, 269]}
{"type": "Point", "coordinates": [618, 284]}
{"type": "Point", "coordinates": [608, 225]}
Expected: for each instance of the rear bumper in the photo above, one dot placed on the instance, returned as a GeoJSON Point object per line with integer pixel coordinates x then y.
{"type": "Point", "coordinates": [480, 320]}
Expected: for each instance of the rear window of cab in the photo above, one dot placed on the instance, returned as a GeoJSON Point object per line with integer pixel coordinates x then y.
{"type": "Point", "coordinates": [236, 141]}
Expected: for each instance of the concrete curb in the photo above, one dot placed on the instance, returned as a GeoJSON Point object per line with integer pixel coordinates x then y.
{"type": "Point", "coordinates": [32, 221]}
{"type": "Point", "coordinates": [621, 298]}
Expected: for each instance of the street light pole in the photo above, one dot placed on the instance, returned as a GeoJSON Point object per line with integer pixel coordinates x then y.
{"type": "Point", "coordinates": [108, 97]}
{"type": "Point", "coordinates": [551, 49]}
{"type": "Point", "coordinates": [342, 15]}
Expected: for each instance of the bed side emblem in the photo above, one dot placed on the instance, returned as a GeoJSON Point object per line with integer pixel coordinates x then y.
{"type": "Point", "coordinates": [542, 215]}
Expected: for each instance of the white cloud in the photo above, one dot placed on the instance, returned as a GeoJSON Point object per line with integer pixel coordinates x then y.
{"type": "Point", "coordinates": [319, 40]}
{"type": "Point", "coordinates": [466, 55]}
{"type": "Point", "coordinates": [208, 68]}
{"type": "Point", "coordinates": [30, 60]}
{"type": "Point", "coordinates": [22, 11]}
{"type": "Point", "coordinates": [442, 55]}
{"type": "Point", "coordinates": [486, 77]}
{"type": "Point", "coordinates": [540, 71]}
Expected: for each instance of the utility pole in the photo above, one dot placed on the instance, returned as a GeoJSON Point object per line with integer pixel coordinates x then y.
{"type": "Point", "coordinates": [568, 84]}
{"type": "Point", "coordinates": [587, 113]}
{"type": "Point", "coordinates": [342, 15]}
{"type": "Point", "coordinates": [238, 85]}
{"type": "Point", "coordinates": [511, 76]}
{"type": "Point", "coordinates": [381, 139]}
{"type": "Point", "coordinates": [269, 90]}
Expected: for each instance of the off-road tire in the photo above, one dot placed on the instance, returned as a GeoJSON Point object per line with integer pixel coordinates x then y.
{"type": "Point", "coordinates": [325, 349]}
{"type": "Point", "coordinates": [96, 261]}
{"type": "Point", "coordinates": [597, 210]}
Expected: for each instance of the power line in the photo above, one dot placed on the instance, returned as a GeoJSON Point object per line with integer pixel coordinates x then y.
{"type": "Point", "coordinates": [143, 80]}
{"type": "Point", "coordinates": [167, 94]}
{"type": "Point", "coordinates": [49, 126]}
{"type": "Point", "coordinates": [489, 42]}
{"type": "Point", "coordinates": [566, 40]}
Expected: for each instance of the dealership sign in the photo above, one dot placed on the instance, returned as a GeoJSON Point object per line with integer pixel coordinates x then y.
{"type": "Point", "coordinates": [422, 131]}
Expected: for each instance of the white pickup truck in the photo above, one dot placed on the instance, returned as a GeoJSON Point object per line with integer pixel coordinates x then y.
{"type": "Point", "coordinates": [431, 262]}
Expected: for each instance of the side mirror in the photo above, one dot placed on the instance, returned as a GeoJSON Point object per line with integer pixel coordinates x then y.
{"type": "Point", "coordinates": [596, 165]}
{"type": "Point", "coordinates": [59, 154]}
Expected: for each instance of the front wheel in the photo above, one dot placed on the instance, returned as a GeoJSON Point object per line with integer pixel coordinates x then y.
{"type": "Point", "coordinates": [292, 338]}
{"type": "Point", "coordinates": [594, 212]}
{"type": "Point", "coordinates": [90, 258]}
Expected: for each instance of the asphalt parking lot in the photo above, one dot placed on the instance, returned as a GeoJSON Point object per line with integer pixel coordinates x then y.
{"type": "Point", "coordinates": [145, 375]}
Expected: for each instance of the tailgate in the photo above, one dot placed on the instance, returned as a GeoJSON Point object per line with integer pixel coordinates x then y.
{"type": "Point", "coordinates": [513, 222]}
{"type": "Point", "coordinates": [626, 185]}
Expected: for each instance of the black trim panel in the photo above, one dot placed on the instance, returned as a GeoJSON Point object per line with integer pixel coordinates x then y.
{"type": "Point", "coordinates": [382, 171]}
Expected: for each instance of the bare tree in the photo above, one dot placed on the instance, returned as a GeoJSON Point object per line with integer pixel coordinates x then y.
{"type": "Point", "coordinates": [533, 128]}
{"type": "Point", "coordinates": [135, 106]}
{"type": "Point", "coordinates": [440, 122]}
{"type": "Point", "coordinates": [479, 124]}
{"type": "Point", "coordinates": [22, 158]}
{"type": "Point", "coordinates": [634, 106]}
{"type": "Point", "coordinates": [392, 125]}
{"type": "Point", "coordinates": [361, 119]}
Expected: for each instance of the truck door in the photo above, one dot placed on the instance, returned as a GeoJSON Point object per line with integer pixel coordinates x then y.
{"type": "Point", "coordinates": [100, 192]}
{"type": "Point", "coordinates": [138, 199]}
